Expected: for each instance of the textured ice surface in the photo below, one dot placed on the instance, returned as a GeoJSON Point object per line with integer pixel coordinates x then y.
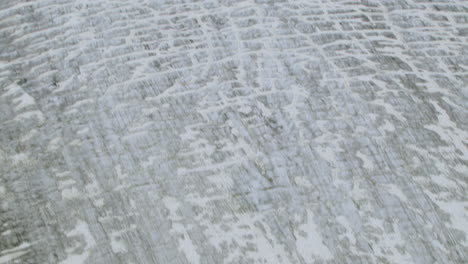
{"type": "Point", "coordinates": [182, 131]}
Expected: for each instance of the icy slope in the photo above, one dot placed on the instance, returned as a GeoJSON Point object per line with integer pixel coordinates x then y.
{"type": "Point", "coordinates": [202, 132]}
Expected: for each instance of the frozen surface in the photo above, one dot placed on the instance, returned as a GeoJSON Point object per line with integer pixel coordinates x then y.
{"type": "Point", "coordinates": [207, 132]}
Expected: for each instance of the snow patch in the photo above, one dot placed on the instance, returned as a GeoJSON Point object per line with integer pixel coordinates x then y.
{"type": "Point", "coordinates": [311, 245]}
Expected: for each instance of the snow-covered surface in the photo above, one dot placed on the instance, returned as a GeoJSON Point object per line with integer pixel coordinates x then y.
{"type": "Point", "coordinates": [255, 131]}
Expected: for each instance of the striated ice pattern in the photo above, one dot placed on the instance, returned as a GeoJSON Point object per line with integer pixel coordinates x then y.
{"type": "Point", "coordinates": [208, 132]}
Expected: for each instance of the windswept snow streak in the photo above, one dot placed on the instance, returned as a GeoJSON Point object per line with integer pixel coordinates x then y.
{"type": "Point", "coordinates": [267, 131]}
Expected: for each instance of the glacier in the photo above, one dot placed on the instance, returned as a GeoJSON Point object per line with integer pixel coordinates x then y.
{"type": "Point", "coordinates": [234, 131]}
